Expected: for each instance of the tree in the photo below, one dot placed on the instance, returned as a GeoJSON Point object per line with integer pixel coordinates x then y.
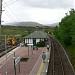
{"type": "Point", "coordinates": [66, 29]}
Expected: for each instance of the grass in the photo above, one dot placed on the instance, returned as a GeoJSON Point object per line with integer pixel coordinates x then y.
{"type": "Point", "coordinates": [70, 50]}
{"type": "Point", "coordinates": [16, 29]}
{"type": "Point", "coordinates": [22, 29]}
{"type": "Point", "coordinates": [71, 53]}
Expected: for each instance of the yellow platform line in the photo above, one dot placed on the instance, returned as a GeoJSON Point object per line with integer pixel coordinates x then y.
{"type": "Point", "coordinates": [40, 68]}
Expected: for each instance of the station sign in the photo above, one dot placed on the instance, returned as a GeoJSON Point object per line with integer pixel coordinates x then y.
{"type": "Point", "coordinates": [17, 60]}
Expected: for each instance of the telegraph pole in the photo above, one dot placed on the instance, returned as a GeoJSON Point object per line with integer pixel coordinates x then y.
{"type": "Point", "coordinates": [0, 14]}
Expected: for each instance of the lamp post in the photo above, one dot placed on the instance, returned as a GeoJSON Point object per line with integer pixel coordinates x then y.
{"type": "Point", "coordinates": [14, 64]}
{"type": "Point", "coordinates": [6, 56]}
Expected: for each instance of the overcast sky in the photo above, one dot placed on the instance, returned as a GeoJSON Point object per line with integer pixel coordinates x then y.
{"type": "Point", "coordinates": [41, 11]}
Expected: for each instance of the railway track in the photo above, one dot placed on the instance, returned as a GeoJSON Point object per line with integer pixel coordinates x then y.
{"type": "Point", "coordinates": [9, 48]}
{"type": "Point", "coordinates": [55, 64]}
{"type": "Point", "coordinates": [59, 63]}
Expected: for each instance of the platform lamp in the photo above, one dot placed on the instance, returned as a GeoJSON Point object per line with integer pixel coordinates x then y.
{"type": "Point", "coordinates": [6, 56]}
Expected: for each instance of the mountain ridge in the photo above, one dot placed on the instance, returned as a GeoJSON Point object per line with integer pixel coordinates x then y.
{"type": "Point", "coordinates": [33, 24]}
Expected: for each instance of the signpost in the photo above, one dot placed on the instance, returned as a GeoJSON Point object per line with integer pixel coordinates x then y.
{"type": "Point", "coordinates": [16, 62]}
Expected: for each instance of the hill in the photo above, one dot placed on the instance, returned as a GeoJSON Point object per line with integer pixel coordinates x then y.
{"type": "Point", "coordinates": [31, 24]}
{"type": "Point", "coordinates": [53, 25]}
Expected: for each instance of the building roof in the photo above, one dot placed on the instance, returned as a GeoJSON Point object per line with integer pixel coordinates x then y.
{"type": "Point", "coordinates": [37, 35]}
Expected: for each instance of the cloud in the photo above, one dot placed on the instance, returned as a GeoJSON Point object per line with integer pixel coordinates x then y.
{"type": "Point", "coordinates": [44, 3]}
{"type": "Point", "coordinates": [50, 3]}
{"type": "Point", "coordinates": [44, 16]}
{"type": "Point", "coordinates": [42, 11]}
{"type": "Point", "coordinates": [41, 15]}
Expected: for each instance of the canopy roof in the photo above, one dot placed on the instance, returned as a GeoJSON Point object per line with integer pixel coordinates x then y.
{"type": "Point", "coordinates": [37, 35]}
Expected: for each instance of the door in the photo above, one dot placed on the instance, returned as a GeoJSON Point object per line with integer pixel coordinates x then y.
{"type": "Point", "coordinates": [34, 42]}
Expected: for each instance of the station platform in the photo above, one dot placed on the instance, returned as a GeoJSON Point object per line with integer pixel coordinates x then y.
{"type": "Point", "coordinates": [43, 67]}
{"type": "Point", "coordinates": [33, 66]}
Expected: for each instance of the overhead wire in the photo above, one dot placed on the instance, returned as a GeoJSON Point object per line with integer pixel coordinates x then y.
{"type": "Point", "coordinates": [9, 3]}
{"type": "Point", "coordinates": [8, 14]}
{"type": "Point", "coordinates": [12, 12]}
{"type": "Point", "coordinates": [9, 17]}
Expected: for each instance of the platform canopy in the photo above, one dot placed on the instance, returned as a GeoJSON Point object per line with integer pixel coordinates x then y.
{"type": "Point", "coordinates": [37, 35]}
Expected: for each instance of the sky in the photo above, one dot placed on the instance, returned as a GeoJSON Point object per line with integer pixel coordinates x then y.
{"type": "Point", "coordinates": [41, 11]}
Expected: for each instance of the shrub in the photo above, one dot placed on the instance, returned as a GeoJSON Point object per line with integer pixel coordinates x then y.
{"type": "Point", "coordinates": [40, 44]}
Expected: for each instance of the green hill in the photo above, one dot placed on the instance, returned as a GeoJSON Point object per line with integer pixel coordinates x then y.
{"type": "Point", "coordinates": [31, 24]}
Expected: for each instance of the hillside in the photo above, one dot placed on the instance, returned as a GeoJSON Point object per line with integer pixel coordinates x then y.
{"type": "Point", "coordinates": [31, 24]}
{"type": "Point", "coordinates": [12, 30]}
{"type": "Point", "coordinates": [53, 25]}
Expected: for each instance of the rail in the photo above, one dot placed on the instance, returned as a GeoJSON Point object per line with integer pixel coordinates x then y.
{"type": "Point", "coordinates": [59, 62]}
{"type": "Point", "coordinates": [9, 48]}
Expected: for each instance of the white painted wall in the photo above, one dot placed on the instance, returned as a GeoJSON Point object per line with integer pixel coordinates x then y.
{"type": "Point", "coordinates": [31, 40]}
{"type": "Point", "coordinates": [24, 40]}
{"type": "Point", "coordinates": [37, 40]}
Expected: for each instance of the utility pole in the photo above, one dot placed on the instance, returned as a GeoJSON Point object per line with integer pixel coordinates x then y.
{"type": "Point", "coordinates": [0, 14]}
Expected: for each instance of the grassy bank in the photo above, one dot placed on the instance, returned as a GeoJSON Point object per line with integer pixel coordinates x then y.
{"type": "Point", "coordinates": [71, 53]}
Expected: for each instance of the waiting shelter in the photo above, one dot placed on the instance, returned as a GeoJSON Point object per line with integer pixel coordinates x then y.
{"type": "Point", "coordinates": [36, 37]}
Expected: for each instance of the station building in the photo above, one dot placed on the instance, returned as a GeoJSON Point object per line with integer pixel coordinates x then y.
{"type": "Point", "coordinates": [35, 37]}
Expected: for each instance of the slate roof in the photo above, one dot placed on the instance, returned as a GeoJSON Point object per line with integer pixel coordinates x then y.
{"type": "Point", "coordinates": [37, 35]}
